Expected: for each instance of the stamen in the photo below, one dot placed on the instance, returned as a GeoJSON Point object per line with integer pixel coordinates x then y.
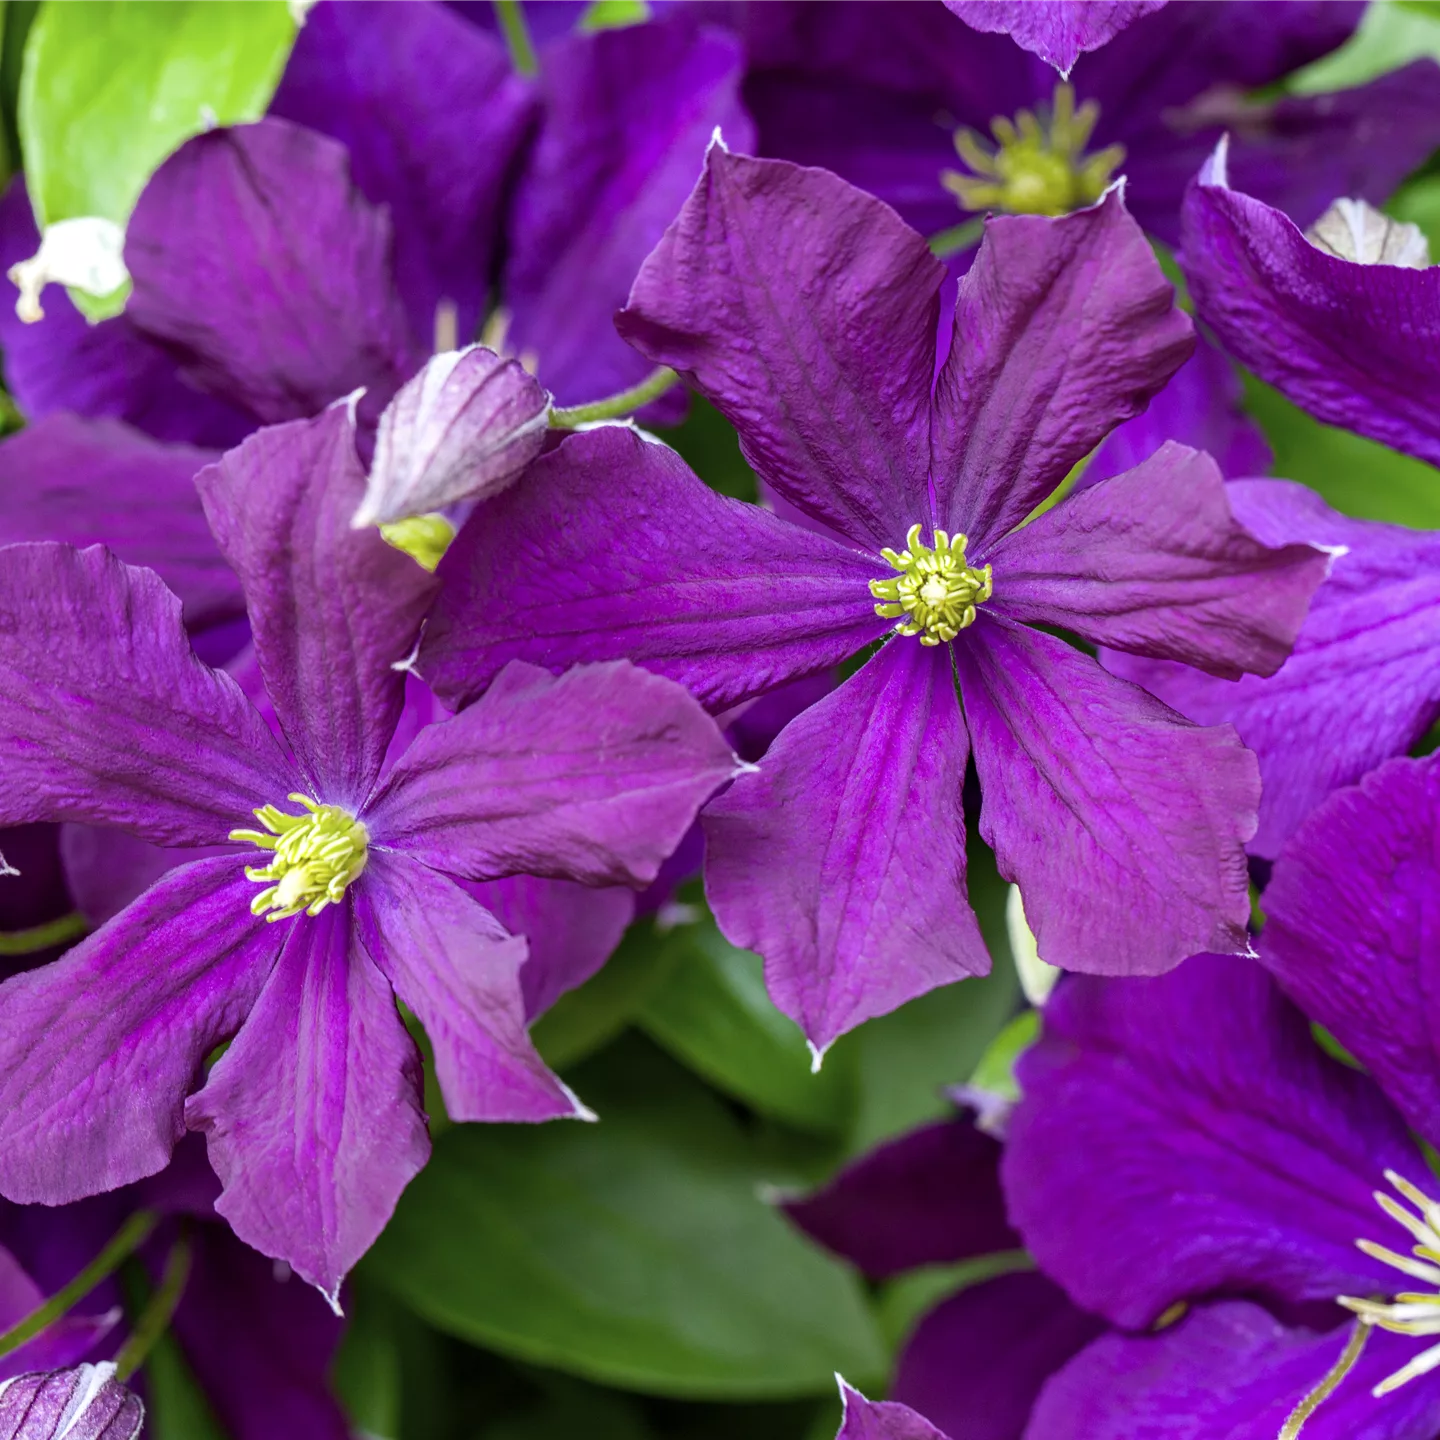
{"type": "Point", "coordinates": [936, 592]}
{"type": "Point", "coordinates": [317, 855]}
{"type": "Point", "coordinates": [1039, 165]}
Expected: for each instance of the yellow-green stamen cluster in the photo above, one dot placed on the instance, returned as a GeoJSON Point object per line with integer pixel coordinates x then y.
{"type": "Point", "coordinates": [935, 594]}
{"type": "Point", "coordinates": [317, 855]}
{"type": "Point", "coordinates": [1039, 165]}
{"type": "Point", "coordinates": [424, 538]}
{"type": "Point", "coordinates": [1410, 1312]}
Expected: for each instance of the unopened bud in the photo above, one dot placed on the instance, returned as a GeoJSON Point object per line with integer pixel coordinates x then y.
{"type": "Point", "coordinates": [84, 1403]}
{"type": "Point", "coordinates": [466, 427]}
{"type": "Point", "coordinates": [1353, 230]}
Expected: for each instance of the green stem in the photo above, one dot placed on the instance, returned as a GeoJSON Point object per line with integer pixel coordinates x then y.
{"type": "Point", "coordinates": [155, 1318]}
{"type": "Point", "coordinates": [615, 407]}
{"type": "Point", "coordinates": [516, 30]}
{"type": "Point", "coordinates": [126, 1240]}
{"type": "Point", "coordinates": [42, 937]}
{"type": "Point", "coordinates": [1322, 1392]}
{"type": "Point", "coordinates": [957, 238]}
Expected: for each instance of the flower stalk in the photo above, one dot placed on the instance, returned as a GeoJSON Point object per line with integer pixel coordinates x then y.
{"type": "Point", "coordinates": [615, 407]}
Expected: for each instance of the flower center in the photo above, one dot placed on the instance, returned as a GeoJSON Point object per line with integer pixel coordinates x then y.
{"type": "Point", "coordinates": [1410, 1312]}
{"type": "Point", "coordinates": [1038, 165]}
{"type": "Point", "coordinates": [317, 855]}
{"type": "Point", "coordinates": [935, 594]}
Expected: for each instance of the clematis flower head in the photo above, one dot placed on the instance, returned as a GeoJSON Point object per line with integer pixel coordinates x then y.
{"type": "Point", "coordinates": [338, 883]}
{"type": "Point", "coordinates": [806, 311]}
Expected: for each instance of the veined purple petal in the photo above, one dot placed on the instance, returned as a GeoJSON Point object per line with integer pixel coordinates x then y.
{"type": "Point", "coordinates": [334, 611]}
{"type": "Point", "coordinates": [1369, 650]}
{"type": "Point", "coordinates": [594, 775]}
{"type": "Point", "coordinates": [1058, 31]}
{"type": "Point", "coordinates": [1351, 930]}
{"type": "Point", "coordinates": [98, 1050]}
{"type": "Point", "coordinates": [715, 594]}
{"type": "Point", "coordinates": [1154, 561]}
{"type": "Point", "coordinates": [1123, 825]}
{"type": "Point", "coordinates": [261, 268]}
{"type": "Point", "coordinates": [628, 116]}
{"type": "Point", "coordinates": [455, 966]}
{"type": "Point", "coordinates": [1063, 329]}
{"type": "Point", "coordinates": [433, 116]}
{"type": "Point", "coordinates": [976, 1362]}
{"type": "Point", "coordinates": [98, 482]}
{"type": "Point", "coordinates": [806, 311]}
{"type": "Point", "coordinates": [881, 1420]}
{"type": "Point", "coordinates": [932, 1197]}
{"type": "Point", "coordinates": [1185, 1135]}
{"type": "Point", "coordinates": [842, 859]}
{"type": "Point", "coordinates": [312, 1117]}
{"type": "Point", "coordinates": [107, 717]}
{"type": "Point", "coordinates": [1231, 1370]}
{"type": "Point", "coordinates": [1358, 346]}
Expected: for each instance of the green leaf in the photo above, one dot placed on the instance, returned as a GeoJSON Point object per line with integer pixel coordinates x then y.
{"type": "Point", "coordinates": [1357, 476]}
{"type": "Point", "coordinates": [708, 444]}
{"type": "Point", "coordinates": [1418, 201]}
{"type": "Point", "coordinates": [571, 1411]}
{"type": "Point", "coordinates": [995, 1074]}
{"type": "Point", "coordinates": [1387, 37]}
{"type": "Point", "coordinates": [112, 87]}
{"type": "Point", "coordinates": [636, 1252]}
{"type": "Point", "coordinates": [712, 1012]}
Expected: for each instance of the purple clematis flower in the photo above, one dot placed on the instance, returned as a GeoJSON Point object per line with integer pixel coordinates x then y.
{"type": "Point", "coordinates": [887, 95]}
{"type": "Point", "coordinates": [806, 311]}
{"type": "Point", "coordinates": [312, 1114]}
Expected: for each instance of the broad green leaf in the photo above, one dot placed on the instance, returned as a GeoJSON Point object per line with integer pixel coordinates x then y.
{"type": "Point", "coordinates": [636, 1252]}
{"type": "Point", "coordinates": [16, 17]}
{"type": "Point", "coordinates": [1388, 37]}
{"type": "Point", "coordinates": [1418, 201]}
{"type": "Point", "coordinates": [1355, 475]}
{"type": "Point", "coordinates": [571, 1411]}
{"type": "Point", "coordinates": [711, 1011]}
{"type": "Point", "coordinates": [111, 87]}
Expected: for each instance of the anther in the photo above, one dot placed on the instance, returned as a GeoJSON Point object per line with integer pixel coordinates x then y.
{"type": "Point", "coordinates": [935, 594]}
{"type": "Point", "coordinates": [317, 855]}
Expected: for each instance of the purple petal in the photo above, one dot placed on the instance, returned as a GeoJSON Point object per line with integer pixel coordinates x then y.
{"type": "Point", "coordinates": [262, 269]}
{"type": "Point", "coordinates": [454, 965]}
{"type": "Point", "coordinates": [1063, 328]}
{"type": "Point", "coordinates": [433, 116]}
{"type": "Point", "coordinates": [1185, 1135]}
{"type": "Point", "coordinates": [1358, 346]}
{"type": "Point", "coordinates": [86, 1403]}
{"type": "Point", "coordinates": [1123, 825]}
{"type": "Point", "coordinates": [931, 1197]}
{"type": "Point", "coordinates": [718, 595]}
{"type": "Point", "coordinates": [333, 610]}
{"type": "Point", "coordinates": [1369, 649]}
{"type": "Point", "coordinates": [976, 1362]}
{"type": "Point", "coordinates": [260, 1345]}
{"type": "Point", "coordinates": [110, 369]}
{"type": "Point", "coordinates": [106, 870]}
{"type": "Point", "coordinates": [65, 1341]}
{"type": "Point", "coordinates": [1230, 1370]}
{"type": "Point", "coordinates": [107, 717]}
{"type": "Point", "coordinates": [1200, 407]}
{"type": "Point", "coordinates": [98, 482]}
{"type": "Point", "coordinates": [1351, 933]}
{"type": "Point", "coordinates": [124, 1021]}
{"type": "Point", "coordinates": [571, 930]}
{"type": "Point", "coordinates": [807, 311]}
{"type": "Point", "coordinates": [1153, 561]}
{"type": "Point", "coordinates": [312, 1117]}
{"type": "Point", "coordinates": [882, 1420]}
{"type": "Point", "coordinates": [1058, 31]}
{"type": "Point", "coordinates": [842, 859]}
{"type": "Point", "coordinates": [594, 775]}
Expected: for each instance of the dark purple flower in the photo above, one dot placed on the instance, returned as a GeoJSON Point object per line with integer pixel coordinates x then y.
{"type": "Point", "coordinates": [83, 1403]}
{"type": "Point", "coordinates": [881, 95]}
{"type": "Point", "coordinates": [312, 1114]}
{"type": "Point", "coordinates": [1357, 345]}
{"type": "Point", "coordinates": [805, 310]}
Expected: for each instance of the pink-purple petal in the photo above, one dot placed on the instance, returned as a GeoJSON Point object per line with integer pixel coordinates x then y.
{"type": "Point", "coordinates": [842, 858]}
{"type": "Point", "coordinates": [1064, 328]}
{"type": "Point", "coordinates": [1153, 561]}
{"type": "Point", "coordinates": [334, 610]}
{"type": "Point", "coordinates": [806, 311]}
{"type": "Point", "coordinates": [99, 1049]}
{"type": "Point", "coordinates": [881, 1420]}
{"type": "Point", "coordinates": [312, 1117]}
{"type": "Point", "coordinates": [1058, 31]}
{"type": "Point", "coordinates": [715, 594]}
{"type": "Point", "coordinates": [454, 965]}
